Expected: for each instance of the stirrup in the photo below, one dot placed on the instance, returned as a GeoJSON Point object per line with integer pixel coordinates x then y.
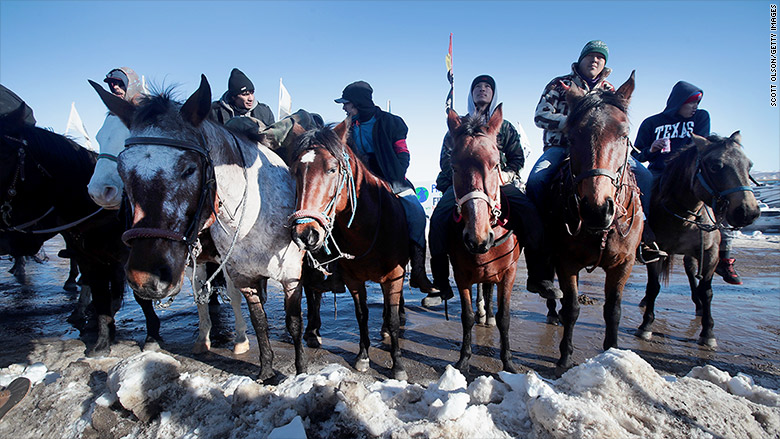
{"type": "Point", "coordinates": [650, 253]}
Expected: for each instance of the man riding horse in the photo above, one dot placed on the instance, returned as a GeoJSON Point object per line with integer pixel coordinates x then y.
{"type": "Point", "coordinates": [379, 139]}
{"type": "Point", "coordinates": [524, 218]}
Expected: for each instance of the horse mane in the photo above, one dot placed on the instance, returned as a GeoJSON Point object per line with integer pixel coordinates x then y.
{"type": "Point", "coordinates": [58, 149]}
{"type": "Point", "coordinates": [156, 104]}
{"type": "Point", "coordinates": [471, 126]}
{"type": "Point", "coordinates": [597, 98]}
{"type": "Point", "coordinates": [324, 137]}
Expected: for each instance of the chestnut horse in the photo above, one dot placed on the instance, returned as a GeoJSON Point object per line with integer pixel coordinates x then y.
{"type": "Point", "coordinates": [184, 173]}
{"type": "Point", "coordinates": [481, 248]}
{"type": "Point", "coordinates": [340, 203]}
{"type": "Point", "coordinates": [596, 215]}
{"type": "Point", "coordinates": [710, 174]}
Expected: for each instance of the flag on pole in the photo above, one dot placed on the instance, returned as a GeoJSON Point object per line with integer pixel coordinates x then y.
{"type": "Point", "coordinates": [450, 77]}
{"type": "Point", "coordinates": [285, 102]}
{"type": "Point", "coordinates": [76, 129]}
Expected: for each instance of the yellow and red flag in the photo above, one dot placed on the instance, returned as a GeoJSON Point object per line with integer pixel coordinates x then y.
{"type": "Point", "coordinates": [450, 78]}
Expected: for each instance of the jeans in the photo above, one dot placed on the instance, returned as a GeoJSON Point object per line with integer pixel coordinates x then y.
{"type": "Point", "coordinates": [415, 216]}
{"type": "Point", "coordinates": [543, 172]}
{"type": "Point", "coordinates": [644, 179]}
{"type": "Point", "coordinates": [524, 219]}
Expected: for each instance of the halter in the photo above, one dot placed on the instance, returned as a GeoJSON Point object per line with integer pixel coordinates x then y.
{"type": "Point", "coordinates": [719, 201]}
{"type": "Point", "coordinates": [189, 237]}
{"type": "Point", "coordinates": [326, 218]}
{"type": "Point", "coordinates": [493, 204]}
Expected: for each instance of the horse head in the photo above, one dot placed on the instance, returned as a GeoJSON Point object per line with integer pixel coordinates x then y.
{"type": "Point", "coordinates": [597, 128]}
{"type": "Point", "coordinates": [476, 176]}
{"type": "Point", "coordinates": [722, 178]}
{"type": "Point", "coordinates": [169, 181]}
{"type": "Point", "coordinates": [322, 166]}
{"type": "Point", "coordinates": [105, 187]}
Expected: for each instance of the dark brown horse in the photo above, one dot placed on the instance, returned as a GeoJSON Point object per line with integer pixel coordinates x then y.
{"type": "Point", "coordinates": [701, 186]}
{"type": "Point", "coordinates": [341, 203]}
{"type": "Point", "coordinates": [482, 249]}
{"type": "Point", "coordinates": [596, 213]}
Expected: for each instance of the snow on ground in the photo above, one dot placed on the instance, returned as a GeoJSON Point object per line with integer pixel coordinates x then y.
{"type": "Point", "coordinates": [613, 395]}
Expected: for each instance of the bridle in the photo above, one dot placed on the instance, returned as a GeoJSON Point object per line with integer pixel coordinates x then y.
{"type": "Point", "coordinates": [326, 218]}
{"type": "Point", "coordinates": [208, 185]}
{"type": "Point", "coordinates": [6, 210]}
{"type": "Point", "coordinates": [494, 204]}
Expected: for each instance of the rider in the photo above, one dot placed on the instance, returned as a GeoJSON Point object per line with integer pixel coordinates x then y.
{"type": "Point", "coordinates": [379, 139]}
{"type": "Point", "coordinates": [9, 102]}
{"type": "Point", "coordinates": [590, 74]}
{"type": "Point", "coordinates": [239, 100]}
{"type": "Point", "coordinates": [668, 132]}
{"type": "Point", "coordinates": [482, 101]}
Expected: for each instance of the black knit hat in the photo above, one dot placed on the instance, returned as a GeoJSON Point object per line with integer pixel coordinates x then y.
{"type": "Point", "coordinates": [483, 78]}
{"type": "Point", "coordinates": [239, 83]}
{"type": "Point", "coordinates": [359, 93]}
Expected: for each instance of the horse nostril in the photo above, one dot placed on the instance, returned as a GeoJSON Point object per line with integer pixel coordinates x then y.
{"type": "Point", "coordinates": [610, 207]}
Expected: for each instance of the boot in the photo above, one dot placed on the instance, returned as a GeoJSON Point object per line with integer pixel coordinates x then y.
{"type": "Point", "coordinates": [419, 278]}
{"type": "Point", "coordinates": [440, 268]}
{"type": "Point", "coordinates": [540, 274]}
{"type": "Point", "coordinates": [726, 269]}
{"type": "Point", "coordinates": [648, 251]}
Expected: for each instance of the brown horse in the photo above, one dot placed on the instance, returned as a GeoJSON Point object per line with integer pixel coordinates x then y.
{"type": "Point", "coordinates": [340, 203]}
{"type": "Point", "coordinates": [596, 213]}
{"type": "Point", "coordinates": [710, 174]}
{"type": "Point", "coordinates": [482, 249]}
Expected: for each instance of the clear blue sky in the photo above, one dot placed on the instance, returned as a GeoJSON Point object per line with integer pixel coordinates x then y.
{"type": "Point", "coordinates": [48, 50]}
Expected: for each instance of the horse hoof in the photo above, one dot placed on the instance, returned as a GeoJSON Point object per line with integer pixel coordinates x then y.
{"type": "Point", "coordinates": [644, 335]}
{"type": "Point", "coordinates": [553, 320]}
{"type": "Point", "coordinates": [201, 347]}
{"type": "Point", "coordinates": [708, 342]}
{"type": "Point", "coordinates": [643, 303]}
{"type": "Point", "coordinates": [266, 374]}
{"type": "Point", "coordinates": [560, 370]}
{"type": "Point", "coordinates": [241, 347]}
{"type": "Point", "coordinates": [510, 367]}
{"type": "Point", "coordinates": [491, 321]}
{"type": "Point", "coordinates": [70, 286]}
{"type": "Point", "coordinates": [98, 351]}
{"type": "Point", "coordinates": [400, 375]}
{"type": "Point", "coordinates": [313, 341]}
{"type": "Point", "coordinates": [151, 344]}
{"type": "Point", "coordinates": [464, 367]}
{"type": "Point", "coordinates": [481, 319]}
{"type": "Point", "coordinates": [361, 365]}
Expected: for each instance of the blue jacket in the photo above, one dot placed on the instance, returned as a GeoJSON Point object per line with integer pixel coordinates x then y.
{"type": "Point", "coordinates": [670, 124]}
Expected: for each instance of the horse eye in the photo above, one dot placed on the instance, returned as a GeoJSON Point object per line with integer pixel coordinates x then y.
{"type": "Point", "coordinates": [717, 166]}
{"type": "Point", "coordinates": [332, 170]}
{"type": "Point", "coordinates": [187, 172]}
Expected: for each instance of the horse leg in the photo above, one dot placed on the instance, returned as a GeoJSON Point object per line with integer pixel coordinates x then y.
{"type": "Point", "coordinates": [691, 266]}
{"type": "Point", "coordinates": [70, 283]}
{"type": "Point", "coordinates": [645, 330]}
{"type": "Point", "coordinates": [481, 318]}
{"type": "Point", "coordinates": [613, 293]}
{"type": "Point", "coordinates": [467, 321]}
{"type": "Point", "coordinates": [203, 343]}
{"type": "Point", "coordinates": [18, 269]}
{"type": "Point", "coordinates": [101, 300]}
{"type": "Point", "coordinates": [393, 293]}
{"type": "Point", "coordinates": [78, 318]}
{"type": "Point", "coordinates": [504, 301]}
{"type": "Point", "coordinates": [552, 313]}
{"type": "Point", "coordinates": [294, 320]}
{"type": "Point", "coordinates": [241, 342]}
{"type": "Point", "coordinates": [358, 291]}
{"type": "Point", "coordinates": [704, 296]}
{"type": "Point", "coordinates": [313, 323]}
{"type": "Point", "coordinates": [152, 322]}
{"type": "Point", "coordinates": [255, 302]}
{"type": "Point", "coordinates": [570, 311]}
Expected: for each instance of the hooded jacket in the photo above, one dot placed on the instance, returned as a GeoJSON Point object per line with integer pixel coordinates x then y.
{"type": "Point", "coordinates": [552, 110]}
{"type": "Point", "coordinates": [508, 142]}
{"type": "Point", "coordinates": [670, 124]}
{"type": "Point", "coordinates": [223, 110]}
{"type": "Point", "coordinates": [134, 89]}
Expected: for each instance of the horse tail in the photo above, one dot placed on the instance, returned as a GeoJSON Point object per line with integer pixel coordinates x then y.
{"type": "Point", "coordinates": [666, 269]}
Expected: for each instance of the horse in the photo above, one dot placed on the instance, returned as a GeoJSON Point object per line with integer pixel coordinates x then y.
{"type": "Point", "coordinates": [702, 185]}
{"type": "Point", "coordinates": [44, 177]}
{"type": "Point", "coordinates": [341, 204]}
{"type": "Point", "coordinates": [481, 248]}
{"type": "Point", "coordinates": [106, 189]}
{"type": "Point", "coordinates": [594, 213]}
{"type": "Point", "coordinates": [212, 179]}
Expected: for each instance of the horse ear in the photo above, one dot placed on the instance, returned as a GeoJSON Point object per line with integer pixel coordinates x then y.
{"type": "Point", "coordinates": [701, 142]}
{"type": "Point", "coordinates": [627, 89]}
{"type": "Point", "coordinates": [573, 94]}
{"type": "Point", "coordinates": [342, 130]}
{"type": "Point", "coordinates": [736, 137]}
{"type": "Point", "coordinates": [198, 105]}
{"type": "Point", "coordinates": [494, 125]}
{"type": "Point", "coordinates": [453, 120]}
{"type": "Point", "coordinates": [123, 109]}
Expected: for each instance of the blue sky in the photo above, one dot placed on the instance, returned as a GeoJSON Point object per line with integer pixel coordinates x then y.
{"type": "Point", "coordinates": [48, 50]}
